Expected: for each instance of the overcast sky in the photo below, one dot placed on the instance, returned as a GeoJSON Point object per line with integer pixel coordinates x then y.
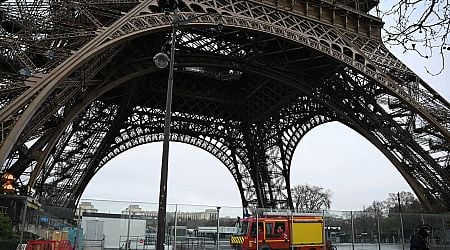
{"type": "Point", "coordinates": [331, 156]}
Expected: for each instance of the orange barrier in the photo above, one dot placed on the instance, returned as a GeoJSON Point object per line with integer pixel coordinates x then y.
{"type": "Point", "coordinates": [48, 245]}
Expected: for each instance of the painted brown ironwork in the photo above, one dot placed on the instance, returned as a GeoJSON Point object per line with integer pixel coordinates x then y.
{"type": "Point", "coordinates": [78, 87]}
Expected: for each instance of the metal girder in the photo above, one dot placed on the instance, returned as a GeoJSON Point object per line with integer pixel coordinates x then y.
{"type": "Point", "coordinates": [247, 93]}
{"type": "Point", "coordinates": [413, 158]}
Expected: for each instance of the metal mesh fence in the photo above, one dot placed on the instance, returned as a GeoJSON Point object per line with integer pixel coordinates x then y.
{"type": "Point", "coordinates": [30, 222]}
{"type": "Point", "coordinates": [104, 224]}
{"type": "Point", "coordinates": [133, 225]}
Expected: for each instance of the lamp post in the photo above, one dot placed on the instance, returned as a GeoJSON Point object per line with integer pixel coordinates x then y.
{"type": "Point", "coordinates": [161, 61]}
{"type": "Point", "coordinates": [218, 218]}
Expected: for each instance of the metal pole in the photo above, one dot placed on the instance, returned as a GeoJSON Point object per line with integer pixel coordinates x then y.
{"type": "Point", "coordinates": [353, 231]}
{"type": "Point", "coordinates": [218, 218]}
{"type": "Point", "coordinates": [445, 233]}
{"type": "Point", "coordinates": [401, 228]}
{"type": "Point", "coordinates": [324, 231]}
{"type": "Point", "coordinates": [379, 233]}
{"type": "Point", "coordinates": [257, 229]}
{"type": "Point", "coordinates": [127, 244]}
{"type": "Point", "coordinates": [23, 219]}
{"type": "Point", "coordinates": [290, 230]}
{"type": "Point", "coordinates": [160, 237]}
{"type": "Point", "coordinates": [77, 240]}
{"type": "Point", "coordinates": [175, 229]}
{"type": "Point", "coordinates": [401, 221]}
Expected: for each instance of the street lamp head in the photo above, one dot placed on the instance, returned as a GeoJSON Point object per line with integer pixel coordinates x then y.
{"type": "Point", "coordinates": [161, 60]}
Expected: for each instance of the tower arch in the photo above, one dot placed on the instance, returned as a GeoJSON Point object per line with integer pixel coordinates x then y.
{"type": "Point", "coordinates": [271, 68]}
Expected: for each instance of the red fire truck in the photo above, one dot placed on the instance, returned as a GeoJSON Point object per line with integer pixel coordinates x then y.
{"type": "Point", "coordinates": [278, 231]}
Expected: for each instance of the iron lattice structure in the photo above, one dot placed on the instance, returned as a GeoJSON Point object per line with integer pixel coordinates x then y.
{"type": "Point", "coordinates": [78, 87]}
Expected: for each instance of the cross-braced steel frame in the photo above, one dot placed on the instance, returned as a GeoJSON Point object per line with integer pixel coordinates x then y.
{"type": "Point", "coordinates": [78, 87]}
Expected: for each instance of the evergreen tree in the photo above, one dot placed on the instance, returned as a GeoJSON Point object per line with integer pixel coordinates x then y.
{"type": "Point", "coordinates": [6, 230]}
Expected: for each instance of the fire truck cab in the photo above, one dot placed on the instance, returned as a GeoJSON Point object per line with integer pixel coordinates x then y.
{"type": "Point", "coordinates": [300, 232]}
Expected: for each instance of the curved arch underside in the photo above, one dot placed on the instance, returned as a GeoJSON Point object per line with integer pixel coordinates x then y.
{"type": "Point", "coordinates": [246, 93]}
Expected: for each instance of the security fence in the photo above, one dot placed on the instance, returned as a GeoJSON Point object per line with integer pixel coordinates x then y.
{"type": "Point", "coordinates": [133, 225]}
{"type": "Point", "coordinates": [104, 224]}
{"type": "Point", "coordinates": [20, 223]}
{"type": "Point", "coordinates": [366, 230]}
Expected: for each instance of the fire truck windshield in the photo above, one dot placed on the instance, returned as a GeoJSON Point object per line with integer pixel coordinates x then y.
{"type": "Point", "coordinates": [243, 228]}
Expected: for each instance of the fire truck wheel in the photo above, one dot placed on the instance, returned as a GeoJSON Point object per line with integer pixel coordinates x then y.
{"type": "Point", "coordinates": [264, 247]}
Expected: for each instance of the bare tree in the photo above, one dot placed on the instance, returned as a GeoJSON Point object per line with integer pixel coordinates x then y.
{"type": "Point", "coordinates": [378, 207]}
{"type": "Point", "coordinates": [421, 26]}
{"type": "Point", "coordinates": [311, 198]}
{"type": "Point", "coordinates": [408, 202]}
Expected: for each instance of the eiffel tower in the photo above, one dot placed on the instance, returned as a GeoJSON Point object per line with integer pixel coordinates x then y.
{"type": "Point", "coordinates": [78, 87]}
